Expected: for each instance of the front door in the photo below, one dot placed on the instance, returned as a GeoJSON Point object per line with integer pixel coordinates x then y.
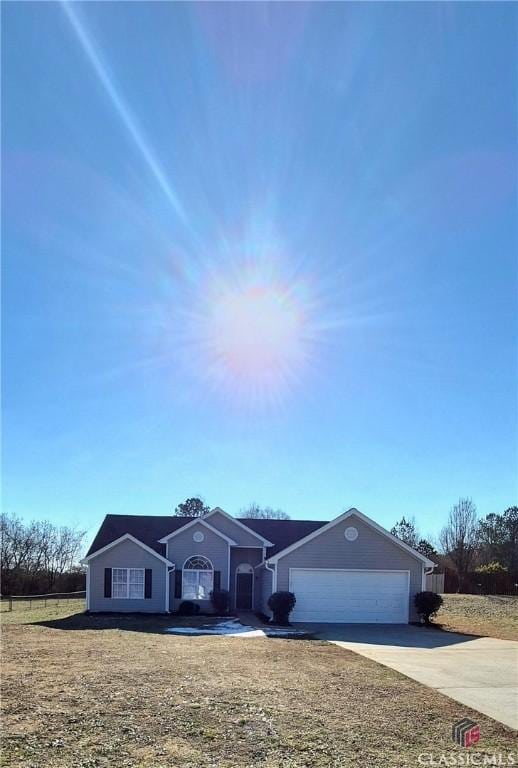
{"type": "Point", "coordinates": [244, 589]}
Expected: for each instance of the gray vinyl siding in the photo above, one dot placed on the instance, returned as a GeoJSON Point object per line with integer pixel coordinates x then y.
{"type": "Point", "coordinates": [234, 531]}
{"type": "Point", "coordinates": [180, 547]}
{"type": "Point", "coordinates": [238, 556]}
{"type": "Point", "coordinates": [371, 550]}
{"type": "Point", "coordinates": [127, 554]}
{"type": "Point", "coordinates": [266, 589]}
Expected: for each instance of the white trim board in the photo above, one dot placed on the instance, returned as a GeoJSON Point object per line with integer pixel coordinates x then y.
{"type": "Point", "coordinates": [198, 521]}
{"type": "Point", "coordinates": [125, 537]}
{"type": "Point", "coordinates": [341, 518]}
{"type": "Point", "coordinates": [240, 524]}
{"type": "Point", "coordinates": [423, 577]}
{"type": "Point", "coordinates": [167, 580]}
{"type": "Point", "coordinates": [88, 588]}
{"type": "Point", "coordinates": [273, 571]}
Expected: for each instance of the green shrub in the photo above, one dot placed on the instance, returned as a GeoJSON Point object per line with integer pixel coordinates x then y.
{"type": "Point", "coordinates": [220, 599]}
{"type": "Point", "coordinates": [281, 604]}
{"type": "Point", "coordinates": [427, 604]}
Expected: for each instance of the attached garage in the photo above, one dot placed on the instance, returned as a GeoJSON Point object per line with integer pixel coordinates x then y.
{"type": "Point", "coordinates": [350, 570]}
{"type": "Point", "coordinates": [350, 596]}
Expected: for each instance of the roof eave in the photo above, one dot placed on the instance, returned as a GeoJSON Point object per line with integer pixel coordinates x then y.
{"type": "Point", "coordinates": [197, 521]}
{"type": "Point", "coordinates": [119, 540]}
{"type": "Point", "coordinates": [266, 542]}
{"type": "Point", "coordinates": [353, 511]}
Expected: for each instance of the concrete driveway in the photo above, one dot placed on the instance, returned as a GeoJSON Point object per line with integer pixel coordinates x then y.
{"type": "Point", "coordinates": [481, 672]}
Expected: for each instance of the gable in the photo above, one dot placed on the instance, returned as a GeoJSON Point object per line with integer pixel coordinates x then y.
{"type": "Point", "coordinates": [283, 533]}
{"type": "Point", "coordinates": [126, 538]}
{"type": "Point", "coordinates": [125, 553]}
{"type": "Point", "coordinates": [213, 545]}
{"type": "Point", "coordinates": [198, 522]}
{"type": "Point", "coordinates": [331, 549]}
{"type": "Point", "coordinates": [146, 528]}
{"type": "Point", "coordinates": [237, 530]}
{"type": "Point", "coordinates": [335, 530]}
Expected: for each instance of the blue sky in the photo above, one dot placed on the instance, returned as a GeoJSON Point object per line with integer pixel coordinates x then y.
{"type": "Point", "coordinates": [259, 253]}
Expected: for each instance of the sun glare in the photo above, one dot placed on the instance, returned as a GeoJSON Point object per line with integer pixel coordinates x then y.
{"type": "Point", "coordinates": [255, 331]}
{"type": "Point", "coordinates": [254, 336]}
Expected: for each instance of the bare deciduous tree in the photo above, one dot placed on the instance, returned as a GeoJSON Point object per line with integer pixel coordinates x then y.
{"type": "Point", "coordinates": [35, 555]}
{"type": "Point", "coordinates": [459, 538]}
{"type": "Point", "coordinates": [254, 511]}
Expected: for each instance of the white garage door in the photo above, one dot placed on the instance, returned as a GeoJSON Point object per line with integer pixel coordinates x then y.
{"type": "Point", "coordinates": [350, 596]}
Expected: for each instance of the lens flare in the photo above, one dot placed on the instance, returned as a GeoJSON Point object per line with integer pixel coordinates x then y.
{"type": "Point", "coordinates": [253, 335]}
{"type": "Point", "coordinates": [254, 331]}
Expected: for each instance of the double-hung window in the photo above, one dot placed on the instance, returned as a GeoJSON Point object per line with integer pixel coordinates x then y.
{"type": "Point", "coordinates": [128, 583]}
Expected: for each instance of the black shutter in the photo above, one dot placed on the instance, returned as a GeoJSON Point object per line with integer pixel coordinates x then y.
{"type": "Point", "coordinates": [148, 583]}
{"type": "Point", "coordinates": [178, 584]}
{"type": "Point", "coordinates": [107, 582]}
{"type": "Point", "coordinates": [217, 580]}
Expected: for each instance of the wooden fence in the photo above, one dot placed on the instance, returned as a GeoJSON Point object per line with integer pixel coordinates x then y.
{"type": "Point", "coordinates": [10, 602]}
{"type": "Point", "coordinates": [435, 582]}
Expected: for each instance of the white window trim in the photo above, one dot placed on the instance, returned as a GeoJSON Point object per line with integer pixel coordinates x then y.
{"type": "Point", "coordinates": [197, 570]}
{"type": "Point", "coordinates": [127, 596]}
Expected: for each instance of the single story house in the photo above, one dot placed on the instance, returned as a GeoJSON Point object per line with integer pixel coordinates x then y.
{"type": "Point", "coordinates": [347, 570]}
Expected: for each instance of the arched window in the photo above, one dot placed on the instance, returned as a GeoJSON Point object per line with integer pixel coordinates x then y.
{"type": "Point", "coordinates": [197, 578]}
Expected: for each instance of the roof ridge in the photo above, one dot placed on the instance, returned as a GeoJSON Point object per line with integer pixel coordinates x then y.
{"type": "Point", "coordinates": [157, 517]}
{"type": "Point", "coordinates": [274, 520]}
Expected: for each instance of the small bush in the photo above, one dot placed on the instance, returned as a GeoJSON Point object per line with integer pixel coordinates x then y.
{"type": "Point", "coordinates": [220, 599]}
{"type": "Point", "coordinates": [188, 609]}
{"type": "Point", "coordinates": [281, 604]}
{"type": "Point", "coordinates": [427, 604]}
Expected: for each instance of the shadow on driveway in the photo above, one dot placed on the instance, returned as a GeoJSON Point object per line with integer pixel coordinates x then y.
{"type": "Point", "coordinates": [400, 635]}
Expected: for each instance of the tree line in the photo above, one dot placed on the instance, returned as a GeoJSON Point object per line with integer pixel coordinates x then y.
{"type": "Point", "coordinates": [196, 507]}
{"type": "Point", "coordinates": [39, 557]}
{"type": "Point", "coordinates": [477, 550]}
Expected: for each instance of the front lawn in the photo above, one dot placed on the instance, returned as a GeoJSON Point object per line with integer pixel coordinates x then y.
{"type": "Point", "coordinates": [81, 692]}
{"type": "Point", "coordinates": [490, 615]}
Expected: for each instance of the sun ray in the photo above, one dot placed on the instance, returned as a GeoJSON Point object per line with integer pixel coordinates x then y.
{"type": "Point", "coordinates": [122, 109]}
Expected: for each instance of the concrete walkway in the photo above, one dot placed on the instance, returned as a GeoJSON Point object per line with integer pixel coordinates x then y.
{"type": "Point", "coordinates": [480, 672]}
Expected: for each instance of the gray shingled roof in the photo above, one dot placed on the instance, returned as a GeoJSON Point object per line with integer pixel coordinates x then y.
{"type": "Point", "coordinates": [150, 528]}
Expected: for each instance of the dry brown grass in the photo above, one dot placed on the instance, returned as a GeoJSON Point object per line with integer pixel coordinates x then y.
{"type": "Point", "coordinates": [489, 615]}
{"type": "Point", "coordinates": [80, 692]}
